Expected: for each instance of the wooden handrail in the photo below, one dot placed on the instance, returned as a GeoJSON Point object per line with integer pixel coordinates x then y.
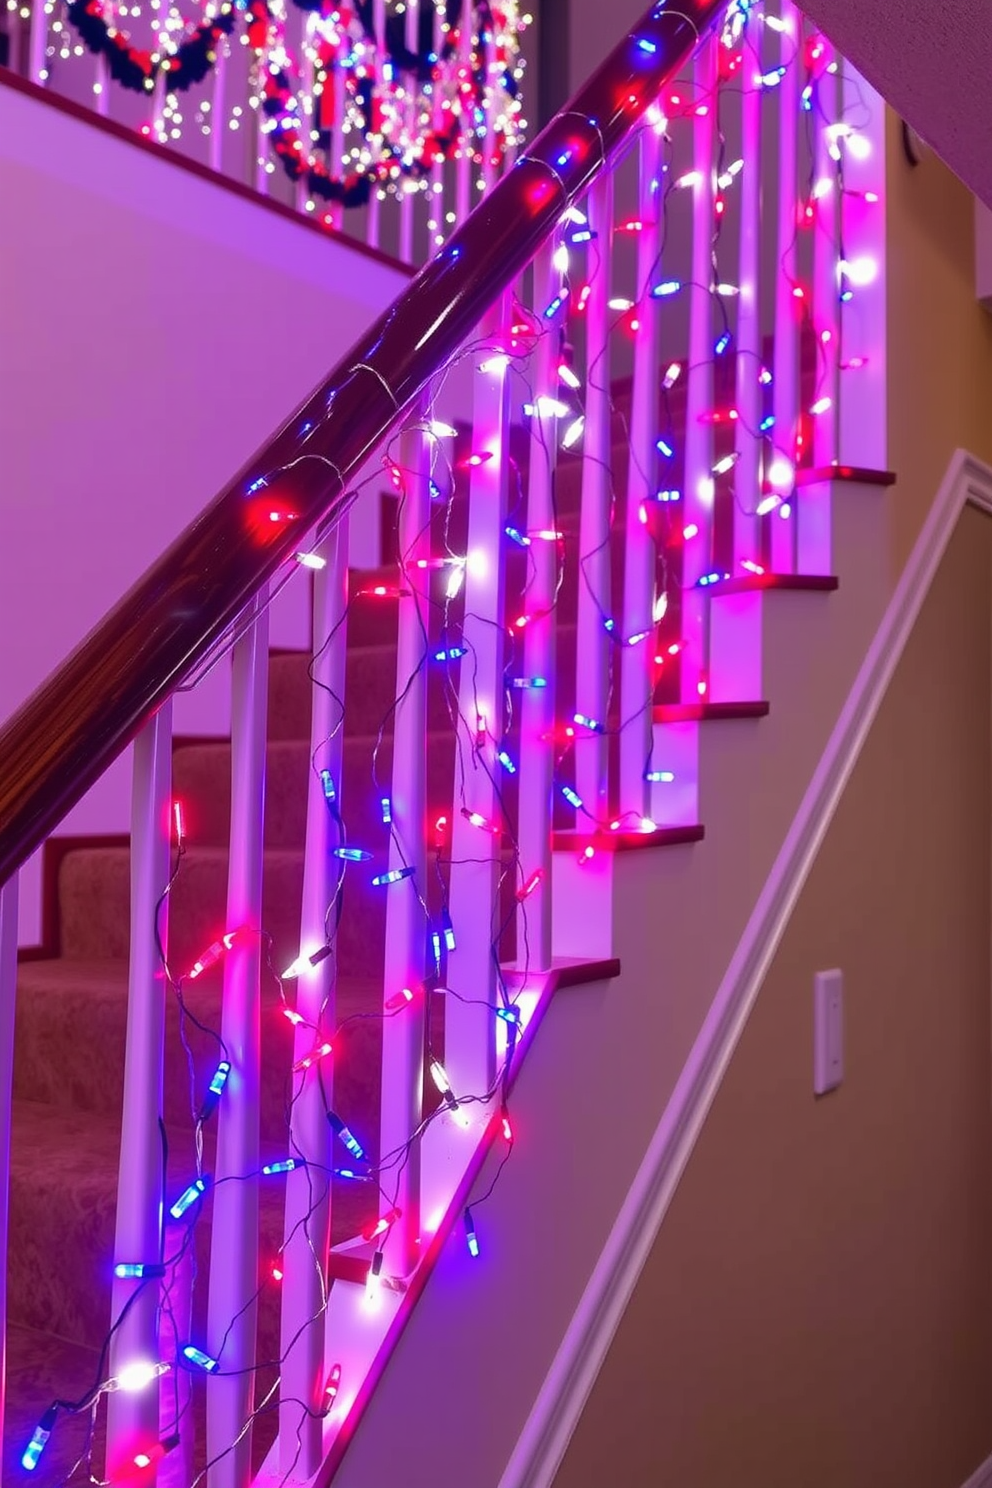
{"type": "Point", "coordinates": [88, 710]}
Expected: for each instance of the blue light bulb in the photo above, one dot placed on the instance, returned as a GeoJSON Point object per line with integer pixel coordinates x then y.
{"type": "Point", "coordinates": [220, 1077]}
{"type": "Point", "coordinates": [393, 876]}
{"type": "Point", "coordinates": [39, 1439]}
{"type": "Point", "coordinates": [137, 1270]}
{"type": "Point", "coordinates": [347, 1137]}
{"type": "Point", "coordinates": [200, 1359]}
{"type": "Point", "coordinates": [189, 1196]}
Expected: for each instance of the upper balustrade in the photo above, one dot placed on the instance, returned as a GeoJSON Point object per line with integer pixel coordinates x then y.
{"type": "Point", "coordinates": [383, 121]}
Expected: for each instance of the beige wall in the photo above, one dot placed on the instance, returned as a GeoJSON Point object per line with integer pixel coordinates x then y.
{"type": "Point", "coordinates": [817, 1311]}
{"type": "Point", "coordinates": [940, 340]}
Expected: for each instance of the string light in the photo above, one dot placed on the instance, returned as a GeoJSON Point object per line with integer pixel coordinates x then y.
{"type": "Point", "coordinates": [331, 1387]}
{"type": "Point", "coordinates": [526, 889]}
{"type": "Point", "coordinates": [214, 1090]}
{"type": "Point", "coordinates": [216, 951]}
{"type": "Point", "coordinates": [136, 1377]}
{"type": "Point", "coordinates": [286, 1165]}
{"type": "Point", "coordinates": [345, 1135]}
{"type": "Point", "coordinates": [202, 1360]}
{"type": "Point", "coordinates": [138, 1270]}
{"type": "Point", "coordinates": [190, 1195]}
{"type": "Point", "coordinates": [393, 876]}
{"type": "Point", "coordinates": [380, 1226]}
{"type": "Point", "coordinates": [156, 1452]}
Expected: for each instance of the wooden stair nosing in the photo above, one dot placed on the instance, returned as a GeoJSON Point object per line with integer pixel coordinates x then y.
{"type": "Point", "coordinates": [613, 842]}
{"type": "Point", "coordinates": [759, 583]}
{"type": "Point", "coordinates": [708, 712]}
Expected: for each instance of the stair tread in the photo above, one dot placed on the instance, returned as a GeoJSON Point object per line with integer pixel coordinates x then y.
{"type": "Point", "coordinates": [606, 841]}
{"type": "Point", "coordinates": [700, 712]}
{"type": "Point", "coordinates": [755, 583]}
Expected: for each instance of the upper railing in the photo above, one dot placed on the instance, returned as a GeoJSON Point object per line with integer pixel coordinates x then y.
{"type": "Point", "coordinates": [380, 121]}
{"type": "Point", "coordinates": [545, 592]}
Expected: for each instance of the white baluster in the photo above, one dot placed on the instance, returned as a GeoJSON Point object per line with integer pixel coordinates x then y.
{"type": "Point", "coordinates": [175, 1331]}
{"type": "Point", "coordinates": [14, 40]}
{"type": "Point", "coordinates": [101, 89]}
{"type": "Point", "coordinates": [336, 79]}
{"type": "Point", "coordinates": [463, 161]}
{"type": "Point", "coordinates": [747, 472]}
{"type": "Point", "coordinates": [159, 92]}
{"type": "Point", "coordinates": [490, 171]}
{"type": "Point", "coordinates": [436, 199]}
{"type": "Point", "coordinates": [37, 43]}
{"type": "Point", "coordinates": [8, 999]}
{"type": "Point", "coordinates": [469, 1029]}
{"type": "Point", "coordinates": [233, 1309]}
{"type": "Point", "coordinates": [406, 913]}
{"type": "Point", "coordinates": [258, 170]}
{"type": "Point", "coordinates": [218, 83]}
{"type": "Point", "coordinates": [537, 704]}
{"type": "Point", "coordinates": [826, 244]}
{"type": "Point", "coordinates": [374, 219]}
{"type": "Point", "coordinates": [592, 641]}
{"type": "Point", "coordinates": [412, 84]}
{"type": "Point", "coordinates": [306, 107]}
{"type": "Point", "coordinates": [138, 1237]}
{"type": "Point", "coordinates": [636, 677]}
{"type": "Point", "coordinates": [862, 412]}
{"type": "Point", "coordinates": [697, 506]}
{"type": "Point", "coordinates": [785, 386]}
{"type": "Point", "coordinates": [307, 1193]}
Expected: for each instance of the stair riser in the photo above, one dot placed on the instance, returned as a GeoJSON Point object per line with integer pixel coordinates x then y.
{"type": "Point", "coordinates": [202, 781]}
{"type": "Point", "coordinates": [370, 692]}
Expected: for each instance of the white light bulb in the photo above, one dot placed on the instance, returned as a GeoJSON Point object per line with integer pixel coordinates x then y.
{"type": "Point", "coordinates": [858, 271]}
{"type": "Point", "coordinates": [780, 473]}
{"type": "Point", "coordinates": [139, 1375]}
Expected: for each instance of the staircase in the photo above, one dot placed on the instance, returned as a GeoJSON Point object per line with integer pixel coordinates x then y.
{"type": "Point", "coordinates": [550, 710]}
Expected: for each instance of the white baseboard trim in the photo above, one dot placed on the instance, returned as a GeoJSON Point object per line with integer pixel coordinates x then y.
{"type": "Point", "coordinates": [981, 1477]}
{"type": "Point", "coordinates": [563, 1394]}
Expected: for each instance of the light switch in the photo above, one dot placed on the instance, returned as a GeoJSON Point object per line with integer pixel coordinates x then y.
{"type": "Point", "coordinates": [828, 1031]}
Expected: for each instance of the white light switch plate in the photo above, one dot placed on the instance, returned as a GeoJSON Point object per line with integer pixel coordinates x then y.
{"type": "Point", "coordinates": [828, 1031]}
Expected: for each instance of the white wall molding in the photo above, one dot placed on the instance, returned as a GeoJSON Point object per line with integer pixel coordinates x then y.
{"type": "Point", "coordinates": [566, 1387]}
{"type": "Point", "coordinates": [981, 1477]}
